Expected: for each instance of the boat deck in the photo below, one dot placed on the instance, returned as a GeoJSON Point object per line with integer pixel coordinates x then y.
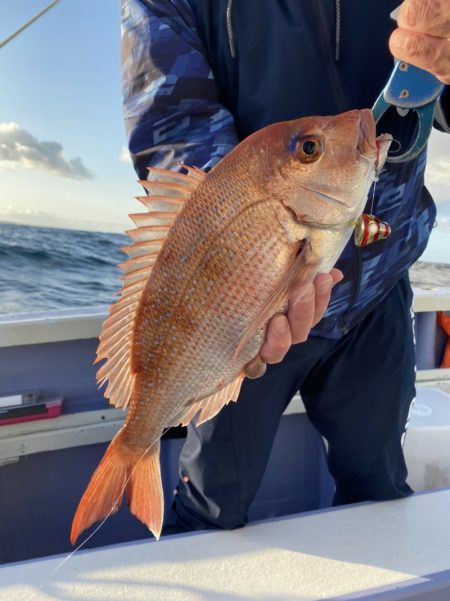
{"type": "Point", "coordinates": [392, 551]}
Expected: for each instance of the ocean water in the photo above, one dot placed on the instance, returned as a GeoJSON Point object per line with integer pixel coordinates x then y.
{"type": "Point", "coordinates": [49, 268]}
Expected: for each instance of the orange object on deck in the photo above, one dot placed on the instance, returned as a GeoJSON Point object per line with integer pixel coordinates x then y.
{"type": "Point", "coordinates": [443, 320]}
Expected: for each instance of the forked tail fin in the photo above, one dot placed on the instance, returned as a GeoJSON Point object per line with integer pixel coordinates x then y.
{"type": "Point", "coordinates": [123, 467]}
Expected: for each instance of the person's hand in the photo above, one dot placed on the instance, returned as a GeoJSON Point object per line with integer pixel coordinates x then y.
{"type": "Point", "coordinates": [307, 304]}
{"type": "Point", "coordinates": [423, 36]}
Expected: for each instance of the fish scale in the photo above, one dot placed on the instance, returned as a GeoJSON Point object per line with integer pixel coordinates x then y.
{"type": "Point", "coordinates": [243, 268]}
{"type": "Point", "coordinates": [208, 267]}
{"type": "Point", "coordinates": [251, 271]}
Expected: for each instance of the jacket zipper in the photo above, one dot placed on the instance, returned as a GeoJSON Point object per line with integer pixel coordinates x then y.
{"type": "Point", "coordinates": [340, 98]}
{"type": "Point", "coordinates": [329, 53]}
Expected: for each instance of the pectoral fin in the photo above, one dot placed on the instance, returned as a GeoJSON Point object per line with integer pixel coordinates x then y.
{"type": "Point", "coordinates": [255, 368]}
{"type": "Point", "coordinates": [303, 268]}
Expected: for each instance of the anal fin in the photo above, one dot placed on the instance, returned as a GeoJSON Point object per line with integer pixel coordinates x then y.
{"type": "Point", "coordinates": [210, 406]}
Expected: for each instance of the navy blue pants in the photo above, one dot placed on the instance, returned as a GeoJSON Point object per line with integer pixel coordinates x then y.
{"type": "Point", "coordinates": [357, 392]}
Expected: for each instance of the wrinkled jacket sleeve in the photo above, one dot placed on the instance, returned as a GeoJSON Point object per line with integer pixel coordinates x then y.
{"type": "Point", "coordinates": [171, 106]}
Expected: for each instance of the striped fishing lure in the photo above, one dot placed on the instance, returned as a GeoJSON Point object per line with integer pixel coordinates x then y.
{"type": "Point", "coordinates": [369, 228]}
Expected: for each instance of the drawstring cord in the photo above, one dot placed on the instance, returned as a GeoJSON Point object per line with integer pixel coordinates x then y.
{"type": "Point", "coordinates": [337, 48]}
{"type": "Point", "coordinates": [230, 28]}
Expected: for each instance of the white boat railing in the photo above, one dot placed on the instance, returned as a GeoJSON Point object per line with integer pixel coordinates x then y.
{"type": "Point", "coordinates": [82, 323]}
{"type": "Point", "coordinates": [90, 427]}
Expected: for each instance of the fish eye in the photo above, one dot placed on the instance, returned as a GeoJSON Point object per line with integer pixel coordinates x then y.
{"type": "Point", "coordinates": [309, 149]}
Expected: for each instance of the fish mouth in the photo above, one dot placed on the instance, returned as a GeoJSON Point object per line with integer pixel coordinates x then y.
{"type": "Point", "coordinates": [367, 133]}
{"type": "Point", "coordinates": [383, 142]}
{"type": "Point", "coordinates": [326, 197]}
{"type": "Point", "coordinates": [369, 144]}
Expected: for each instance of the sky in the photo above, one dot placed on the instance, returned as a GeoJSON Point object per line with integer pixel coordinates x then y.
{"type": "Point", "coordinates": [61, 100]}
{"type": "Point", "coordinates": [63, 150]}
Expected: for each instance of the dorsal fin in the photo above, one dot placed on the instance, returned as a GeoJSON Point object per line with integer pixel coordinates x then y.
{"type": "Point", "coordinates": [167, 193]}
{"type": "Point", "coordinates": [194, 172]}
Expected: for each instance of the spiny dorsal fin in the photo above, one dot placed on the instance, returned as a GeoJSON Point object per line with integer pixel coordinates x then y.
{"type": "Point", "coordinates": [167, 193]}
{"type": "Point", "coordinates": [194, 172]}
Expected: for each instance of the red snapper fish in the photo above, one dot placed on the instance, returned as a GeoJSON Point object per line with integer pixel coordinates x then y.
{"type": "Point", "coordinates": [210, 263]}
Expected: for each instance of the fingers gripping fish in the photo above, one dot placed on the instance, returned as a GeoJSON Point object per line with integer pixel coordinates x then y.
{"type": "Point", "coordinates": [210, 263]}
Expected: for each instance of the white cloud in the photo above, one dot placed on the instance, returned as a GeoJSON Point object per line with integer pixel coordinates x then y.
{"type": "Point", "coordinates": [443, 223]}
{"type": "Point", "coordinates": [438, 171]}
{"type": "Point", "coordinates": [19, 149]}
{"type": "Point", "coordinates": [437, 175]}
{"type": "Point", "coordinates": [125, 155]}
{"type": "Point", "coordinates": [32, 216]}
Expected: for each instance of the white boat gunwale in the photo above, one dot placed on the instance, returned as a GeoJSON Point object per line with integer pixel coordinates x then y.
{"type": "Point", "coordinates": [85, 322]}
{"type": "Point", "coordinates": [99, 426]}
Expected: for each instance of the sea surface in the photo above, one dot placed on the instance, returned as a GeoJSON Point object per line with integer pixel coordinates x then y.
{"type": "Point", "coordinates": [49, 268]}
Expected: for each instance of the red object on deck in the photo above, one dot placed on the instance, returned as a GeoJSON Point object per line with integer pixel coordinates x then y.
{"type": "Point", "coordinates": [46, 410]}
{"type": "Point", "coordinates": [444, 322]}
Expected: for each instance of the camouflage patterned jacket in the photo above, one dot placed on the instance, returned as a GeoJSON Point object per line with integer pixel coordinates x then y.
{"type": "Point", "coordinates": [200, 75]}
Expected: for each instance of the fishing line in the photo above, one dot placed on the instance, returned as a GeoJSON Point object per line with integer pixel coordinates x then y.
{"type": "Point", "coordinates": [112, 510]}
{"type": "Point", "coordinates": [373, 195]}
{"type": "Point", "coordinates": [377, 173]}
{"type": "Point", "coordinates": [28, 23]}
{"type": "Point", "coordinates": [398, 148]}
